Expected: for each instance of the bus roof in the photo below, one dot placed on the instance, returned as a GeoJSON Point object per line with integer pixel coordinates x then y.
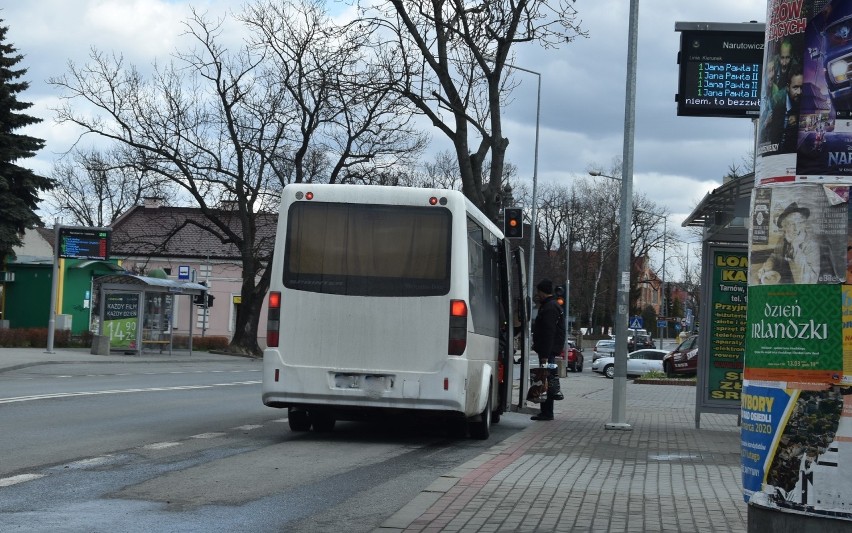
{"type": "Point", "coordinates": [390, 195]}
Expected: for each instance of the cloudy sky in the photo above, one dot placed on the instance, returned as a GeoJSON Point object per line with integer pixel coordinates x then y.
{"type": "Point", "coordinates": [677, 159]}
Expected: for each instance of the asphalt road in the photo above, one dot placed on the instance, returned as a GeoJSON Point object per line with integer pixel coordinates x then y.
{"type": "Point", "coordinates": [190, 447]}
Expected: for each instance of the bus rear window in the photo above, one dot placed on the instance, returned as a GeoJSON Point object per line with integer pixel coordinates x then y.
{"type": "Point", "coordinates": [368, 250]}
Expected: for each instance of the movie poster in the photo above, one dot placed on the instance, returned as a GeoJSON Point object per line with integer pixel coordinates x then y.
{"type": "Point", "coordinates": [825, 111]}
{"type": "Point", "coordinates": [799, 235]}
{"type": "Point", "coordinates": [121, 317]}
{"type": "Point", "coordinates": [805, 128]}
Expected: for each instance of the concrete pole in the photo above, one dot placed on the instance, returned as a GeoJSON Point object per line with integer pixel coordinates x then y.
{"type": "Point", "coordinates": [619, 385]}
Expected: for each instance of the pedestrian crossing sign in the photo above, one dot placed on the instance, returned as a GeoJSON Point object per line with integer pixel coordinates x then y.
{"type": "Point", "coordinates": [636, 322]}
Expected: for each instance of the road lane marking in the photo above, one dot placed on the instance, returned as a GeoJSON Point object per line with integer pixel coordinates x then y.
{"type": "Point", "coordinates": [211, 435]}
{"type": "Point", "coordinates": [247, 427]}
{"type": "Point", "coordinates": [160, 445]}
{"type": "Point", "coordinates": [14, 480]}
{"type": "Point", "coordinates": [91, 462]}
{"type": "Point", "coordinates": [122, 391]}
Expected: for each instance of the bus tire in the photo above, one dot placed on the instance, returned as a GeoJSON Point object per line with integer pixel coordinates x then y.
{"type": "Point", "coordinates": [298, 420]}
{"type": "Point", "coordinates": [481, 428]}
{"type": "Point", "coordinates": [322, 421]}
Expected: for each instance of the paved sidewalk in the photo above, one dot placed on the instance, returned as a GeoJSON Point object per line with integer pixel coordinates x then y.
{"type": "Point", "coordinates": [14, 358]}
{"type": "Point", "coordinates": [574, 475]}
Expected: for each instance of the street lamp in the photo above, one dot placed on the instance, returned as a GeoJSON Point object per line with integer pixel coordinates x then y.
{"type": "Point", "coordinates": [531, 272]}
{"type": "Point", "coordinates": [619, 385]}
{"type": "Point", "coordinates": [535, 180]}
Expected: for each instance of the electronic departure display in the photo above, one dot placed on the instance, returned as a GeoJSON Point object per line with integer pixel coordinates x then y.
{"type": "Point", "coordinates": [84, 243]}
{"type": "Point", "coordinates": [721, 68]}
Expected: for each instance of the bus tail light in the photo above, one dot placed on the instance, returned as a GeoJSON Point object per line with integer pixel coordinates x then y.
{"type": "Point", "coordinates": [458, 327]}
{"type": "Point", "coordinates": [273, 319]}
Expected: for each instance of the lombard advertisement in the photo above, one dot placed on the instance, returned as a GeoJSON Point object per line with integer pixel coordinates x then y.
{"type": "Point", "coordinates": [121, 317]}
{"type": "Point", "coordinates": [727, 324]}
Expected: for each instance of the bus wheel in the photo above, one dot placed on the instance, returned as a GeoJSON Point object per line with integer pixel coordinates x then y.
{"type": "Point", "coordinates": [299, 420]}
{"type": "Point", "coordinates": [481, 429]}
{"type": "Point", "coordinates": [322, 421]}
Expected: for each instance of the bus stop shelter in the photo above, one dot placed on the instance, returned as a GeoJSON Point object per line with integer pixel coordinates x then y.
{"type": "Point", "coordinates": [723, 216]}
{"type": "Point", "coordinates": [136, 312]}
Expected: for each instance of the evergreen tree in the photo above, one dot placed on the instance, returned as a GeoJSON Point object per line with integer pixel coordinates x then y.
{"type": "Point", "coordinates": [19, 187]}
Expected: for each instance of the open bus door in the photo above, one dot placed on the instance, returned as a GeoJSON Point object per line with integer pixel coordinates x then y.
{"type": "Point", "coordinates": [505, 363]}
{"type": "Point", "coordinates": [522, 303]}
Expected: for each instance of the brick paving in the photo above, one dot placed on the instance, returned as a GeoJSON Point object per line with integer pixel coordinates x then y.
{"type": "Point", "coordinates": [572, 474]}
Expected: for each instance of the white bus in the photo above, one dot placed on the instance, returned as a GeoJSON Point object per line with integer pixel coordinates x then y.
{"type": "Point", "coordinates": [388, 300]}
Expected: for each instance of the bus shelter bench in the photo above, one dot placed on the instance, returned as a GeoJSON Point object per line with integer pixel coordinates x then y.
{"type": "Point", "coordinates": [161, 343]}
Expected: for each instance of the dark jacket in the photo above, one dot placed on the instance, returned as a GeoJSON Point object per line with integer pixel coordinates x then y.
{"type": "Point", "coordinates": [548, 334]}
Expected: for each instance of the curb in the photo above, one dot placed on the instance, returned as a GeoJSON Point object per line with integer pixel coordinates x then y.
{"type": "Point", "coordinates": [682, 382]}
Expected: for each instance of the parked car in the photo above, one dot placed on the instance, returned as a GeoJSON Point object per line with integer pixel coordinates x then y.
{"type": "Point", "coordinates": [639, 342]}
{"type": "Point", "coordinates": [574, 360]}
{"type": "Point", "coordinates": [603, 348]}
{"type": "Point", "coordinates": [638, 363]}
{"type": "Point", "coordinates": [683, 359]}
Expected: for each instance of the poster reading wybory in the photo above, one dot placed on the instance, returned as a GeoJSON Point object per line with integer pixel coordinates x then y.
{"type": "Point", "coordinates": [794, 446]}
{"type": "Point", "coordinates": [799, 235]}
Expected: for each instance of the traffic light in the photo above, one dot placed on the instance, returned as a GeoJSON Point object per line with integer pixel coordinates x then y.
{"type": "Point", "coordinates": [559, 292]}
{"type": "Point", "coordinates": [513, 222]}
{"type": "Point", "coordinates": [198, 299]}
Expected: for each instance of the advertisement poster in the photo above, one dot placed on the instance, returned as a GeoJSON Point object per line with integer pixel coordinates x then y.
{"type": "Point", "coordinates": [727, 324]}
{"type": "Point", "coordinates": [799, 235]}
{"type": "Point", "coordinates": [763, 410]}
{"type": "Point", "coordinates": [825, 114]}
{"type": "Point", "coordinates": [794, 445]}
{"type": "Point", "coordinates": [121, 316]}
{"type": "Point", "coordinates": [794, 334]}
{"type": "Point", "coordinates": [846, 309]}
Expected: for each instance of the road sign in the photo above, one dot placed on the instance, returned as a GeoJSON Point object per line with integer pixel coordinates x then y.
{"type": "Point", "coordinates": [183, 272]}
{"type": "Point", "coordinates": [661, 323]}
{"type": "Point", "coordinates": [635, 322]}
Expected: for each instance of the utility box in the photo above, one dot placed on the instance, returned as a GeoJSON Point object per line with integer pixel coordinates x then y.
{"type": "Point", "coordinates": [63, 322]}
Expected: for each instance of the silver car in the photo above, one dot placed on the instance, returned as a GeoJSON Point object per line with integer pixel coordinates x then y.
{"type": "Point", "coordinates": [603, 348]}
{"type": "Point", "coordinates": [638, 363]}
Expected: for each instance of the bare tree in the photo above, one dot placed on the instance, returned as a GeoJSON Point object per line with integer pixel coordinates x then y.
{"type": "Point", "coordinates": [226, 125]}
{"type": "Point", "coordinates": [454, 57]}
{"type": "Point", "coordinates": [348, 127]}
{"type": "Point", "coordinates": [93, 188]}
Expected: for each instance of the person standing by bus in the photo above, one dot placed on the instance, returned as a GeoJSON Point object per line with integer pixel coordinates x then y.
{"type": "Point", "coordinates": [548, 337]}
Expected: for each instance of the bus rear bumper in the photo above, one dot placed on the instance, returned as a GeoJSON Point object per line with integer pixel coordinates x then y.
{"type": "Point", "coordinates": [351, 390]}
